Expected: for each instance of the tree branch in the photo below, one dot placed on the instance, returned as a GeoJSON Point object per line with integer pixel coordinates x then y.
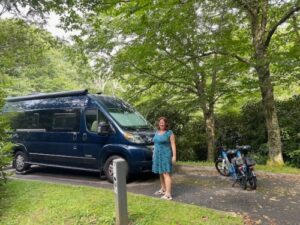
{"type": "Point", "coordinates": [175, 58]}
{"type": "Point", "coordinates": [204, 54]}
{"type": "Point", "coordinates": [248, 8]}
{"type": "Point", "coordinates": [190, 89]}
{"type": "Point", "coordinates": [281, 21]}
{"type": "Point", "coordinates": [295, 26]}
{"type": "Point", "coordinates": [240, 58]}
{"type": "Point", "coordinates": [3, 10]}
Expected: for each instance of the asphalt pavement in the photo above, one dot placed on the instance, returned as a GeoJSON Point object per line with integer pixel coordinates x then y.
{"type": "Point", "coordinates": [276, 200]}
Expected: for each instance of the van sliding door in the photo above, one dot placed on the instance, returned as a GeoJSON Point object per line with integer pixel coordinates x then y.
{"type": "Point", "coordinates": [59, 144]}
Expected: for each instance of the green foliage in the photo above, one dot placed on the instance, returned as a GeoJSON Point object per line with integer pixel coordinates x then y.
{"type": "Point", "coordinates": [289, 114]}
{"type": "Point", "coordinates": [33, 61]}
{"type": "Point", "coordinates": [22, 46]}
{"type": "Point", "coordinates": [5, 146]}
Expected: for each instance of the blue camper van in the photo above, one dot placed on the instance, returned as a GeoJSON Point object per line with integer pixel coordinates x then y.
{"type": "Point", "coordinates": [78, 130]}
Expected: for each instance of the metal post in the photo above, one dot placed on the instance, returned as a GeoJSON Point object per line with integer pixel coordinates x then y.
{"type": "Point", "coordinates": [119, 171]}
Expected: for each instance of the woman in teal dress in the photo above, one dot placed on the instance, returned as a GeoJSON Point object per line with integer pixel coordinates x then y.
{"type": "Point", "coordinates": [164, 156]}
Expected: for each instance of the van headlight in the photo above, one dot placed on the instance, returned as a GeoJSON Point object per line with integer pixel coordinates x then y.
{"type": "Point", "coordinates": [135, 138]}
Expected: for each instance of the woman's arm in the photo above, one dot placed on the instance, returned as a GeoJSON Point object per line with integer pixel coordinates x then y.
{"type": "Point", "coordinates": [173, 146]}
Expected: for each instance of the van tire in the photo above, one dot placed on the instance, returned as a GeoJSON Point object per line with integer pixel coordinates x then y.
{"type": "Point", "coordinates": [108, 168]}
{"type": "Point", "coordinates": [20, 161]}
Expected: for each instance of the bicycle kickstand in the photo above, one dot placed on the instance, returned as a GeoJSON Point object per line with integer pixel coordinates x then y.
{"type": "Point", "coordinates": [234, 183]}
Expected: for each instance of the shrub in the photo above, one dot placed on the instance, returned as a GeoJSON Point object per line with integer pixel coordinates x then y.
{"type": "Point", "coordinates": [5, 146]}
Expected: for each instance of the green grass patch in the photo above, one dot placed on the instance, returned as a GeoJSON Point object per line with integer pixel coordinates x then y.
{"type": "Point", "coordinates": [278, 169]}
{"type": "Point", "coordinates": [274, 169]}
{"type": "Point", "coordinates": [33, 202]}
{"type": "Point", "coordinates": [195, 163]}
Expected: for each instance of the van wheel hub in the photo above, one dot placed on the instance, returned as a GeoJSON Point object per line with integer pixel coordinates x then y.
{"type": "Point", "coordinates": [20, 161]}
{"type": "Point", "coordinates": [111, 169]}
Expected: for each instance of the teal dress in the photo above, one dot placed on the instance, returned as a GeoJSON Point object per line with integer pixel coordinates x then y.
{"type": "Point", "coordinates": [162, 156]}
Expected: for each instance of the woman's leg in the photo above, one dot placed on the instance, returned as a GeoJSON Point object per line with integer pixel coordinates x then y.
{"type": "Point", "coordinates": [162, 182]}
{"type": "Point", "coordinates": [168, 183]}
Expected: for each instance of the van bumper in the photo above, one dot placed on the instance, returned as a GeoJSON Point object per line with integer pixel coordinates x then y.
{"type": "Point", "coordinates": [142, 167]}
{"type": "Point", "coordinates": [141, 159]}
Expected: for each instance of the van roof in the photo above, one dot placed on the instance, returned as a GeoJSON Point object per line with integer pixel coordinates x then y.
{"type": "Point", "coordinates": [48, 95]}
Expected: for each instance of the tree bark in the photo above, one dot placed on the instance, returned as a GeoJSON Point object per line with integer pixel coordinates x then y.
{"type": "Point", "coordinates": [210, 134]}
{"type": "Point", "coordinates": [207, 106]}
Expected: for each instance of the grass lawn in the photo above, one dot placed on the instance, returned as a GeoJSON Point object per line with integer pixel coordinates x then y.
{"type": "Point", "coordinates": [273, 169]}
{"type": "Point", "coordinates": [195, 163]}
{"type": "Point", "coordinates": [278, 169]}
{"type": "Point", "coordinates": [32, 202]}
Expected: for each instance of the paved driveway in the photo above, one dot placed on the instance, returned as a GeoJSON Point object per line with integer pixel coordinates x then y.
{"type": "Point", "coordinates": [276, 200]}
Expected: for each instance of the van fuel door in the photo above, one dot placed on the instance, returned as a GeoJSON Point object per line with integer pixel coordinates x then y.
{"type": "Point", "coordinates": [84, 136]}
{"type": "Point", "coordinates": [74, 136]}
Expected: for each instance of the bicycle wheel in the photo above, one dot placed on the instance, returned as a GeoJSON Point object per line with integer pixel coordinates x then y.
{"type": "Point", "coordinates": [222, 167]}
{"type": "Point", "coordinates": [243, 182]}
{"type": "Point", "coordinates": [252, 182]}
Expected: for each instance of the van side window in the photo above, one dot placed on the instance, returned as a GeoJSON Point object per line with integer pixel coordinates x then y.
{"type": "Point", "coordinates": [67, 121]}
{"type": "Point", "coordinates": [24, 120]}
{"type": "Point", "coordinates": [35, 120]}
{"type": "Point", "coordinates": [92, 118]}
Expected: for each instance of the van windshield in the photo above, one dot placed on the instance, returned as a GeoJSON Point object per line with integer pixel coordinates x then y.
{"type": "Point", "coordinates": [124, 114]}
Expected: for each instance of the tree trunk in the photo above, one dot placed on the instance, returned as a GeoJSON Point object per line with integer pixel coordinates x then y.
{"type": "Point", "coordinates": [274, 139]}
{"type": "Point", "coordinates": [210, 134]}
{"type": "Point", "coordinates": [207, 106]}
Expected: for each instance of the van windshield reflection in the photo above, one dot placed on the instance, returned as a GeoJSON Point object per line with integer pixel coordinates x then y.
{"type": "Point", "coordinates": [129, 119]}
{"type": "Point", "coordinates": [124, 114]}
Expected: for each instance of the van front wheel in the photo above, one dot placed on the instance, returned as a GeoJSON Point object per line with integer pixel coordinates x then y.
{"type": "Point", "coordinates": [20, 161]}
{"type": "Point", "coordinates": [108, 168]}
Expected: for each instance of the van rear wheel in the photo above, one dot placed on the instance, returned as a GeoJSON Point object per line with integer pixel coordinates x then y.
{"type": "Point", "coordinates": [20, 161]}
{"type": "Point", "coordinates": [108, 168]}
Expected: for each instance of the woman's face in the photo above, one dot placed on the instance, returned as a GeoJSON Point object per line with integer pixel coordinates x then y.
{"type": "Point", "coordinates": [162, 125]}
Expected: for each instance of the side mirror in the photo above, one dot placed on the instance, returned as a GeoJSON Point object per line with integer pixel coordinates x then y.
{"type": "Point", "coordinates": [104, 128]}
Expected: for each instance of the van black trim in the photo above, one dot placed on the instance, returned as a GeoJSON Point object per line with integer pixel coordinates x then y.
{"type": "Point", "coordinates": [30, 130]}
{"type": "Point", "coordinates": [48, 95]}
{"type": "Point", "coordinates": [63, 156]}
{"type": "Point", "coordinates": [65, 167]}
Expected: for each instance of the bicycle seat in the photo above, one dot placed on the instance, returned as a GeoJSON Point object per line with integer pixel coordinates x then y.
{"type": "Point", "coordinates": [243, 147]}
{"type": "Point", "coordinates": [231, 152]}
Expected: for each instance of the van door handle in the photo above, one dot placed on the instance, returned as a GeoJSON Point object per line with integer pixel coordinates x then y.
{"type": "Point", "coordinates": [84, 137]}
{"type": "Point", "coordinates": [74, 136]}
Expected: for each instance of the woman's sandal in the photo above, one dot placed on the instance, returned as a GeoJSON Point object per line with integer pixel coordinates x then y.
{"type": "Point", "coordinates": [159, 192]}
{"type": "Point", "coordinates": [166, 197]}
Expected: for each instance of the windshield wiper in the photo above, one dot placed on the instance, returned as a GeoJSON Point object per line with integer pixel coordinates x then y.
{"type": "Point", "coordinates": [129, 128]}
{"type": "Point", "coordinates": [137, 128]}
{"type": "Point", "coordinates": [143, 127]}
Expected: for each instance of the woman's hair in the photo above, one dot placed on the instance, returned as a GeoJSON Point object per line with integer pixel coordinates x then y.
{"type": "Point", "coordinates": [165, 120]}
